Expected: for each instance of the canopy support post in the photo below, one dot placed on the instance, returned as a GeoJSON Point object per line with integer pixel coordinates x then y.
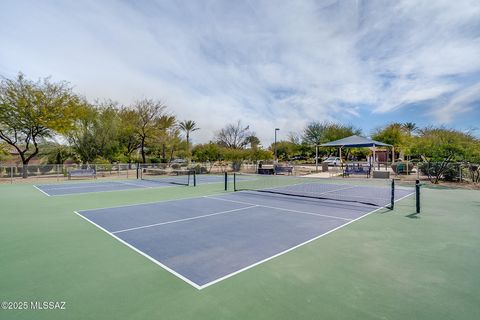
{"type": "Point", "coordinates": [340, 156]}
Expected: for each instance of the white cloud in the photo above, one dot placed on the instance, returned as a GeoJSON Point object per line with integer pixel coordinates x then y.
{"type": "Point", "coordinates": [270, 64]}
{"type": "Point", "coordinates": [461, 102]}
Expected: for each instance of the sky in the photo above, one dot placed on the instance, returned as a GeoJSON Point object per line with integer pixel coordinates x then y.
{"type": "Point", "coordinates": [271, 64]}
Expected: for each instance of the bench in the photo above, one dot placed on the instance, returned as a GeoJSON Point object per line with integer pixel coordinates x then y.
{"type": "Point", "coordinates": [283, 169]}
{"type": "Point", "coordinates": [357, 170]}
{"type": "Point", "coordinates": [265, 171]}
{"type": "Point", "coordinates": [82, 173]}
{"type": "Point", "coordinates": [381, 174]}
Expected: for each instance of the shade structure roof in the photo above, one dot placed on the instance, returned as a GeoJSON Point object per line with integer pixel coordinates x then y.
{"type": "Point", "coordinates": [355, 142]}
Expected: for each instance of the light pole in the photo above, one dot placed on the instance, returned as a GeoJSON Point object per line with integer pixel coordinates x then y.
{"type": "Point", "coordinates": [275, 145]}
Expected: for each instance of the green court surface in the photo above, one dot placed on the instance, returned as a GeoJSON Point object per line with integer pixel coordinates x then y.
{"type": "Point", "coordinates": [389, 265]}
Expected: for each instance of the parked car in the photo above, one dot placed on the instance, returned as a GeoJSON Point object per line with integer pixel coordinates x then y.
{"type": "Point", "coordinates": [333, 161]}
{"type": "Point", "coordinates": [179, 161]}
{"type": "Point", "coordinates": [298, 158]}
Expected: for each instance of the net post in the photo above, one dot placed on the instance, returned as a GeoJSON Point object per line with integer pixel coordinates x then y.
{"type": "Point", "coordinates": [138, 168]}
{"type": "Point", "coordinates": [226, 181]}
{"type": "Point", "coordinates": [392, 199]}
{"type": "Point", "coordinates": [234, 181]}
{"type": "Point", "coordinates": [417, 196]}
{"type": "Point", "coordinates": [194, 178]}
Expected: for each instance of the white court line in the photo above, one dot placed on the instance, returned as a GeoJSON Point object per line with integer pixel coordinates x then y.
{"type": "Point", "coordinates": [41, 190]}
{"type": "Point", "coordinates": [141, 188]}
{"type": "Point", "coordinates": [279, 208]}
{"type": "Point", "coordinates": [292, 248]}
{"type": "Point", "coordinates": [134, 184]}
{"type": "Point", "coordinates": [193, 284]}
{"type": "Point", "coordinates": [200, 287]}
{"type": "Point", "coordinates": [91, 185]}
{"type": "Point", "coordinates": [148, 202]}
{"type": "Point", "coordinates": [186, 219]}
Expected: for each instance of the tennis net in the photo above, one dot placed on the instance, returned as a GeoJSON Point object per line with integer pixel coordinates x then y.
{"type": "Point", "coordinates": [180, 177]}
{"type": "Point", "coordinates": [375, 193]}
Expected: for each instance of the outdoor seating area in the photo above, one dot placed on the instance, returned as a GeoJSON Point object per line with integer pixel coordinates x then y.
{"type": "Point", "coordinates": [357, 169]}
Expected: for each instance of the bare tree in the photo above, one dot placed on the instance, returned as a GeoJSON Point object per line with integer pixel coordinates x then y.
{"type": "Point", "coordinates": [233, 135]}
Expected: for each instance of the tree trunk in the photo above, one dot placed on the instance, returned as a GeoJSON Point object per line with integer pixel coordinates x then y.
{"type": "Point", "coordinates": [24, 168]}
{"type": "Point", "coordinates": [164, 153]}
{"type": "Point", "coordinates": [142, 149]}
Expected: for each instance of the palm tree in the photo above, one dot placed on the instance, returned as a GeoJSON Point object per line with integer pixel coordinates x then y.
{"type": "Point", "coordinates": [188, 126]}
{"type": "Point", "coordinates": [410, 127]}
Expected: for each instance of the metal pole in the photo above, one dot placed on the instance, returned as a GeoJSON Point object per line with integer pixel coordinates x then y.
{"type": "Point", "coordinates": [316, 158]}
{"type": "Point", "coordinates": [275, 145]}
{"type": "Point", "coordinates": [417, 196]}
{"type": "Point", "coordinates": [226, 181]}
{"type": "Point", "coordinates": [11, 175]}
{"type": "Point", "coordinates": [392, 200]}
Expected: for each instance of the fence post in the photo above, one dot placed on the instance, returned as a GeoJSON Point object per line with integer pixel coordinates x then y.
{"type": "Point", "coordinates": [11, 175]}
{"type": "Point", "coordinates": [417, 196]}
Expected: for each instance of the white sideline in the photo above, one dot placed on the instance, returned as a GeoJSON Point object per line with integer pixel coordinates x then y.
{"type": "Point", "coordinates": [292, 248]}
{"type": "Point", "coordinates": [186, 219]}
{"type": "Point", "coordinates": [41, 191]}
{"type": "Point", "coordinates": [279, 208]}
{"type": "Point", "coordinates": [200, 287]}
{"type": "Point", "coordinates": [193, 284]}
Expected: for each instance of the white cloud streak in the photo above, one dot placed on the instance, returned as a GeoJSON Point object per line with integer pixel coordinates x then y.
{"type": "Point", "coordinates": [269, 63]}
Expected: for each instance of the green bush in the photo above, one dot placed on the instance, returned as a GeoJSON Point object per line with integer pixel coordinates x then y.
{"type": "Point", "coordinates": [447, 171]}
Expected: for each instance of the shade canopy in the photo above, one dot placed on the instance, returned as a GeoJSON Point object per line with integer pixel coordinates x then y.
{"type": "Point", "coordinates": [355, 142]}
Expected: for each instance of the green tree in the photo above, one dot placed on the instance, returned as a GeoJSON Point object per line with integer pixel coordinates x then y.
{"type": "Point", "coordinates": [3, 151]}
{"type": "Point", "coordinates": [34, 110]}
{"type": "Point", "coordinates": [285, 149]}
{"type": "Point", "coordinates": [439, 147]}
{"type": "Point", "coordinates": [82, 138]}
{"type": "Point", "coordinates": [97, 132]}
{"type": "Point", "coordinates": [398, 135]}
{"type": "Point", "coordinates": [150, 113]}
{"type": "Point", "coordinates": [257, 154]}
{"type": "Point", "coordinates": [316, 133]}
{"type": "Point", "coordinates": [188, 126]}
{"type": "Point", "coordinates": [236, 156]}
{"type": "Point", "coordinates": [128, 138]}
{"type": "Point", "coordinates": [409, 127]}
{"type": "Point", "coordinates": [210, 152]}
{"type": "Point", "coordinates": [166, 140]}
{"type": "Point", "coordinates": [58, 153]}
{"type": "Point", "coordinates": [393, 134]}
{"type": "Point", "coordinates": [252, 140]}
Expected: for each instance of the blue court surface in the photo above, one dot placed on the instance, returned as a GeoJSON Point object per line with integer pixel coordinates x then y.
{"type": "Point", "coordinates": [62, 189]}
{"type": "Point", "coordinates": [207, 239]}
